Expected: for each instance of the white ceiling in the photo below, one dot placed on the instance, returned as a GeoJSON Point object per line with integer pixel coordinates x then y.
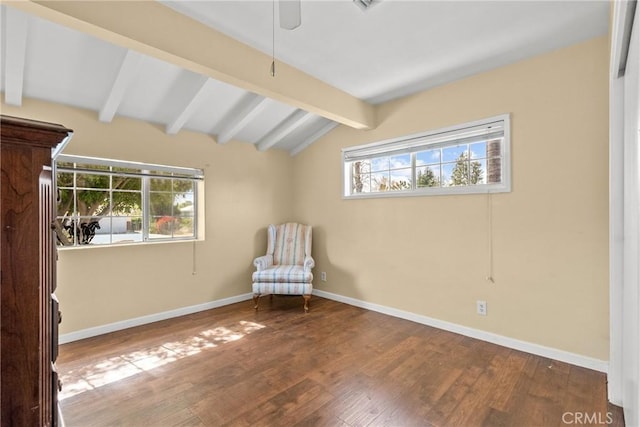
{"type": "Point", "coordinates": [394, 49]}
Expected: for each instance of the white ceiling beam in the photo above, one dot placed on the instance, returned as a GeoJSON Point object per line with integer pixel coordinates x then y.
{"type": "Point", "coordinates": [142, 26]}
{"type": "Point", "coordinates": [288, 125]}
{"type": "Point", "coordinates": [128, 70]}
{"type": "Point", "coordinates": [16, 24]}
{"type": "Point", "coordinates": [241, 115]}
{"type": "Point", "coordinates": [191, 107]}
{"type": "Point", "coordinates": [313, 138]}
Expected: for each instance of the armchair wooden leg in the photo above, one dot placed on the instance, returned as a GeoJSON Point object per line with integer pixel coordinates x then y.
{"type": "Point", "coordinates": [306, 302]}
{"type": "Point", "coordinates": [256, 297]}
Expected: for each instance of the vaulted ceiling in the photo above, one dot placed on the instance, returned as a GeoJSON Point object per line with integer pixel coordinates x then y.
{"type": "Point", "coordinates": [204, 65]}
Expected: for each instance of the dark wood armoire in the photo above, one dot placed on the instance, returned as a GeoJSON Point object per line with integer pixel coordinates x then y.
{"type": "Point", "coordinates": [29, 313]}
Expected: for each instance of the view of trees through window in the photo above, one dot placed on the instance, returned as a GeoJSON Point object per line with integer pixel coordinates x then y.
{"type": "Point", "coordinates": [99, 204]}
{"type": "Point", "coordinates": [456, 165]}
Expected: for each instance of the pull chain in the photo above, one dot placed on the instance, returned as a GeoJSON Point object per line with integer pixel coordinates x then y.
{"type": "Point", "coordinates": [272, 70]}
{"type": "Point", "coordinates": [490, 236]}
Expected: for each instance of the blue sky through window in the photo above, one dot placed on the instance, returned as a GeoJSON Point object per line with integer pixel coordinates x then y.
{"type": "Point", "coordinates": [440, 161]}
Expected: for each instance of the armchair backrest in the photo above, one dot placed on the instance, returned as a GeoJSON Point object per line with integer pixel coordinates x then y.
{"type": "Point", "coordinates": [289, 243]}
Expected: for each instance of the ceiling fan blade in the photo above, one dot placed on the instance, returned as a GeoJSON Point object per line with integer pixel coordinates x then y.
{"type": "Point", "coordinates": [290, 16]}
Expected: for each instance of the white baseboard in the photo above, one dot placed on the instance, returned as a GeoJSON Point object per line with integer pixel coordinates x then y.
{"type": "Point", "coordinates": [540, 350]}
{"type": "Point", "coordinates": [124, 324]}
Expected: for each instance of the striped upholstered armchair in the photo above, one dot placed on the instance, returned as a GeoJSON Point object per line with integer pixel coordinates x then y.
{"type": "Point", "coordinates": [286, 268]}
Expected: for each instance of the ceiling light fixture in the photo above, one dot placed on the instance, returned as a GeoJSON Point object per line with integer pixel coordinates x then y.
{"type": "Point", "coordinates": [290, 14]}
{"type": "Point", "coordinates": [365, 4]}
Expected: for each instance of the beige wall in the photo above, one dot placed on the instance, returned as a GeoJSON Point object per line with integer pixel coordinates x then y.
{"type": "Point", "coordinates": [428, 255]}
{"type": "Point", "coordinates": [245, 191]}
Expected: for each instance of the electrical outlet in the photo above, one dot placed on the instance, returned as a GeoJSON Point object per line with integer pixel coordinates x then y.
{"type": "Point", "coordinates": [323, 276]}
{"type": "Point", "coordinates": [481, 307]}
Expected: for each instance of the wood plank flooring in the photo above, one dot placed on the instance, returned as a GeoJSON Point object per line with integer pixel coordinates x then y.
{"type": "Point", "coordinates": [338, 365]}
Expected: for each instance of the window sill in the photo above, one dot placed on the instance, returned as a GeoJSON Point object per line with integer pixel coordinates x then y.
{"type": "Point", "coordinates": [447, 191]}
{"type": "Point", "coordinates": [126, 245]}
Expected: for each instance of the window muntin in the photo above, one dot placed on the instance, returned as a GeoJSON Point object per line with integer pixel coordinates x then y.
{"type": "Point", "coordinates": [469, 158]}
{"type": "Point", "coordinates": [102, 202]}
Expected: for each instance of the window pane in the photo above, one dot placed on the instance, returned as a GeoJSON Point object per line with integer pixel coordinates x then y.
{"type": "Point", "coordinates": [183, 186]}
{"type": "Point", "coordinates": [160, 204]}
{"type": "Point", "coordinates": [454, 152]}
{"type": "Point", "coordinates": [494, 148]}
{"type": "Point", "coordinates": [126, 229]}
{"type": "Point", "coordinates": [400, 179]}
{"type": "Point", "coordinates": [428, 157]}
{"type": "Point", "coordinates": [362, 166]}
{"type": "Point", "coordinates": [478, 150]}
{"type": "Point", "coordinates": [428, 176]}
{"type": "Point", "coordinates": [85, 180]}
{"type": "Point", "coordinates": [447, 172]}
{"type": "Point", "coordinates": [160, 184]}
{"type": "Point", "coordinates": [380, 181]}
{"type": "Point", "coordinates": [494, 170]}
{"type": "Point", "coordinates": [161, 227]}
{"type": "Point", "coordinates": [360, 176]}
{"type": "Point", "coordinates": [65, 202]}
{"type": "Point", "coordinates": [460, 172]}
{"type": "Point", "coordinates": [184, 227]}
{"type": "Point", "coordinates": [89, 231]}
{"type": "Point", "coordinates": [64, 179]}
{"type": "Point", "coordinates": [380, 164]}
{"type": "Point", "coordinates": [68, 228]}
{"type": "Point", "coordinates": [126, 202]}
{"type": "Point", "coordinates": [135, 224]}
{"type": "Point", "coordinates": [184, 195]}
{"type": "Point", "coordinates": [478, 172]}
{"type": "Point", "coordinates": [92, 202]}
{"type": "Point", "coordinates": [186, 208]}
{"type": "Point", "coordinates": [361, 183]}
{"type": "Point", "coordinates": [400, 161]}
{"type": "Point", "coordinates": [126, 183]}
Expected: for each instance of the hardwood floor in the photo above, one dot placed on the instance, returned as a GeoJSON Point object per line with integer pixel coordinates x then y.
{"type": "Point", "coordinates": [338, 365]}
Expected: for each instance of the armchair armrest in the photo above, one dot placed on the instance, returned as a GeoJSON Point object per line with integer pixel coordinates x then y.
{"type": "Point", "coordinates": [309, 263]}
{"type": "Point", "coordinates": [263, 262]}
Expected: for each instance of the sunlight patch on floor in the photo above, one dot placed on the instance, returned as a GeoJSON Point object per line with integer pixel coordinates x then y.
{"type": "Point", "coordinates": [117, 368]}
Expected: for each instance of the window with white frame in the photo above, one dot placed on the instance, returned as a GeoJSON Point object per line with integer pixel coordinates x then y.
{"type": "Point", "coordinates": [468, 158]}
{"type": "Point", "coordinates": [103, 201]}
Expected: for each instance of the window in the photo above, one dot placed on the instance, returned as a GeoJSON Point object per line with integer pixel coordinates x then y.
{"type": "Point", "coordinates": [103, 202]}
{"type": "Point", "coordinates": [469, 158]}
